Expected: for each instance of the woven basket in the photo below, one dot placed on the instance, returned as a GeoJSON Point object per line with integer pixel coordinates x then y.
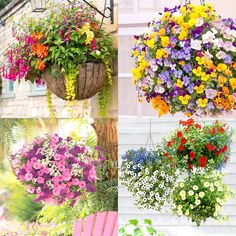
{"type": "Point", "coordinates": [89, 81]}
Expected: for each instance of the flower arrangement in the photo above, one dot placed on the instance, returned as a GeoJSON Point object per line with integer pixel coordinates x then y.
{"type": "Point", "coordinates": [185, 62]}
{"type": "Point", "coordinates": [149, 177]}
{"type": "Point", "coordinates": [196, 146]}
{"type": "Point", "coordinates": [57, 169]}
{"type": "Point", "coordinates": [200, 197]}
{"type": "Point", "coordinates": [60, 44]}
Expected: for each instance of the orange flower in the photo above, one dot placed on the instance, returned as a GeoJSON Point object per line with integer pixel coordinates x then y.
{"type": "Point", "coordinates": [231, 100]}
{"type": "Point", "coordinates": [225, 91]}
{"type": "Point", "coordinates": [161, 105]}
{"type": "Point", "coordinates": [37, 36]}
{"type": "Point", "coordinates": [40, 50]}
{"type": "Point", "coordinates": [40, 65]}
{"type": "Point", "coordinates": [221, 80]}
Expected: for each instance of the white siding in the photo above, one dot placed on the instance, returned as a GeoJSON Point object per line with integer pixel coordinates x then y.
{"type": "Point", "coordinates": [133, 133]}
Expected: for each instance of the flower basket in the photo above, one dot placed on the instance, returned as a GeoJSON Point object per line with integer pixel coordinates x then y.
{"type": "Point", "coordinates": [185, 62]}
{"type": "Point", "coordinates": [89, 81]}
{"type": "Point", "coordinates": [57, 169]}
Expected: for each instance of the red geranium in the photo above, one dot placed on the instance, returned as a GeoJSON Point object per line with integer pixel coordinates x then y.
{"type": "Point", "coordinates": [210, 147]}
{"type": "Point", "coordinates": [181, 148]}
{"type": "Point", "coordinates": [192, 155]}
{"type": "Point", "coordinates": [190, 166]}
{"type": "Point", "coordinates": [203, 161]}
{"type": "Point", "coordinates": [183, 141]}
{"type": "Point", "coordinates": [179, 134]}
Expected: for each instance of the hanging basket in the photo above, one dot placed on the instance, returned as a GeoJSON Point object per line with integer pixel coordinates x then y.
{"type": "Point", "coordinates": [89, 81]}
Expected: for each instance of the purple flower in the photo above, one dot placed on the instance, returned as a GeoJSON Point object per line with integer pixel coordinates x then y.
{"type": "Point", "coordinates": [190, 88]}
{"type": "Point", "coordinates": [178, 73]}
{"type": "Point", "coordinates": [187, 68]}
{"type": "Point", "coordinates": [228, 59]}
{"type": "Point", "coordinates": [186, 80]}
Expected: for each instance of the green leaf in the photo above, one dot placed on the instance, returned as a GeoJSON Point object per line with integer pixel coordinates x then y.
{"type": "Point", "coordinates": [133, 222]}
{"type": "Point", "coordinates": [148, 221]}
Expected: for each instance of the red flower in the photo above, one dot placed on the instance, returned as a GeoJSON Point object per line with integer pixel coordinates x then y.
{"type": "Point", "coordinates": [94, 44]}
{"type": "Point", "coordinates": [192, 155]}
{"type": "Point", "coordinates": [210, 147]}
{"type": "Point", "coordinates": [166, 154]}
{"type": "Point", "coordinates": [190, 166]}
{"type": "Point", "coordinates": [203, 161]}
{"type": "Point", "coordinates": [169, 144]}
{"type": "Point", "coordinates": [224, 149]}
{"type": "Point", "coordinates": [181, 148]}
{"type": "Point", "coordinates": [183, 141]}
{"type": "Point", "coordinates": [179, 134]}
{"type": "Point", "coordinates": [188, 123]}
{"type": "Point", "coordinates": [221, 129]}
{"type": "Point", "coordinates": [198, 126]}
{"type": "Point", "coordinates": [170, 158]}
{"type": "Point", "coordinates": [217, 153]}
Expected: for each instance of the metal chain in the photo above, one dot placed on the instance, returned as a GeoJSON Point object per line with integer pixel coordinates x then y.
{"type": "Point", "coordinates": [202, 2]}
{"type": "Point", "coordinates": [189, 1]}
{"type": "Point", "coordinates": [150, 140]}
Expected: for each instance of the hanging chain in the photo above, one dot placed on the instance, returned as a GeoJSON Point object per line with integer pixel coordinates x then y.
{"type": "Point", "coordinates": [150, 142]}
{"type": "Point", "coordinates": [202, 2]}
{"type": "Point", "coordinates": [189, 2]}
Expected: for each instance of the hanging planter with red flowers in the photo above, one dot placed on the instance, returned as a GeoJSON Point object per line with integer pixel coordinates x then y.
{"type": "Point", "coordinates": [196, 146]}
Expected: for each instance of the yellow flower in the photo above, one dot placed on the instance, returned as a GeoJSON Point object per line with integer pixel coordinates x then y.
{"type": "Point", "coordinates": [221, 80]}
{"type": "Point", "coordinates": [86, 27]}
{"type": "Point", "coordinates": [180, 20]}
{"type": "Point", "coordinates": [202, 102]}
{"type": "Point", "coordinates": [200, 60]}
{"type": "Point", "coordinates": [185, 99]}
{"type": "Point", "coordinates": [135, 53]}
{"type": "Point", "coordinates": [183, 34]}
{"type": "Point", "coordinates": [205, 77]}
{"type": "Point", "coordinates": [162, 32]}
{"type": "Point", "coordinates": [143, 64]}
{"type": "Point", "coordinates": [179, 83]}
{"type": "Point", "coordinates": [192, 22]}
{"type": "Point", "coordinates": [90, 36]}
{"type": "Point", "coordinates": [183, 9]}
{"type": "Point", "coordinates": [199, 89]}
{"type": "Point", "coordinates": [137, 74]}
{"type": "Point", "coordinates": [233, 83]}
{"type": "Point", "coordinates": [165, 41]}
{"type": "Point", "coordinates": [198, 71]}
{"type": "Point", "coordinates": [159, 53]}
{"type": "Point", "coordinates": [150, 43]}
{"type": "Point", "coordinates": [221, 67]}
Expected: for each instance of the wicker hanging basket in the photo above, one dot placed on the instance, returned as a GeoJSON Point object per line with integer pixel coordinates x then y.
{"type": "Point", "coordinates": [89, 81]}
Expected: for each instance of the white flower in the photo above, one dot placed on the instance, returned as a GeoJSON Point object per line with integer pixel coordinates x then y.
{"type": "Point", "coordinates": [180, 207]}
{"type": "Point", "coordinates": [221, 55]}
{"type": "Point", "coordinates": [206, 184]}
{"type": "Point", "coordinates": [217, 184]}
{"type": "Point", "coordinates": [208, 55]}
{"type": "Point", "coordinates": [199, 22]}
{"type": "Point", "coordinates": [212, 189]}
{"type": "Point", "coordinates": [195, 187]}
{"type": "Point", "coordinates": [208, 37]}
{"type": "Point", "coordinates": [159, 89]}
{"type": "Point", "coordinates": [190, 193]}
{"type": "Point", "coordinates": [220, 189]}
{"type": "Point", "coordinates": [180, 212]}
{"type": "Point", "coordinates": [196, 44]}
{"type": "Point", "coordinates": [191, 206]}
{"type": "Point", "coordinates": [154, 67]}
{"type": "Point", "coordinates": [182, 193]}
{"type": "Point", "coordinates": [181, 185]}
{"type": "Point", "coordinates": [197, 202]}
{"type": "Point", "coordinates": [218, 207]}
{"type": "Point", "coordinates": [186, 212]}
{"type": "Point", "coordinates": [98, 52]}
{"type": "Point", "coordinates": [183, 197]}
{"type": "Point", "coordinates": [201, 194]}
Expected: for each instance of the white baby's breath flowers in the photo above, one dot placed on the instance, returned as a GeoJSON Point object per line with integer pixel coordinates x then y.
{"type": "Point", "coordinates": [190, 193]}
{"type": "Point", "coordinates": [206, 184]}
{"type": "Point", "coordinates": [197, 202]}
{"type": "Point", "coordinates": [201, 194]}
{"type": "Point", "coordinates": [195, 187]}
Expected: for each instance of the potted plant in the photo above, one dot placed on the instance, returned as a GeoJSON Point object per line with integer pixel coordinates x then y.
{"type": "Point", "coordinates": [185, 62]}
{"type": "Point", "coordinates": [67, 50]}
{"type": "Point", "coordinates": [56, 169]}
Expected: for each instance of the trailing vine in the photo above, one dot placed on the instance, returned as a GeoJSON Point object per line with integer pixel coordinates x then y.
{"type": "Point", "coordinates": [50, 105]}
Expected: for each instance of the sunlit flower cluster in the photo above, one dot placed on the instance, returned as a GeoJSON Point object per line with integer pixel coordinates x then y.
{"type": "Point", "coordinates": [197, 146]}
{"type": "Point", "coordinates": [185, 61]}
{"type": "Point", "coordinates": [149, 177]}
{"type": "Point", "coordinates": [57, 169]}
{"type": "Point", "coordinates": [200, 197]}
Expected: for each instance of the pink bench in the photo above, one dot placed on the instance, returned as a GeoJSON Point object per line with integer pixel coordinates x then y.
{"type": "Point", "coordinates": [100, 224]}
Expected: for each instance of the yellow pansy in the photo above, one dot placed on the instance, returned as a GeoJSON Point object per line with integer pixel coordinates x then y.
{"type": "Point", "coordinates": [185, 99]}
{"type": "Point", "coordinates": [165, 41]}
{"type": "Point", "coordinates": [192, 22]}
{"type": "Point", "coordinates": [166, 15]}
{"type": "Point", "coordinates": [200, 60]}
{"type": "Point", "coordinates": [179, 83]}
{"type": "Point", "coordinates": [228, 72]}
{"type": "Point", "coordinates": [180, 20]}
{"type": "Point", "coordinates": [137, 74]}
{"type": "Point", "coordinates": [159, 53]}
{"type": "Point", "coordinates": [213, 75]}
{"type": "Point", "coordinates": [143, 64]}
{"type": "Point", "coordinates": [205, 77]}
{"type": "Point", "coordinates": [183, 9]}
{"type": "Point", "coordinates": [199, 89]}
{"type": "Point", "coordinates": [221, 80]}
{"type": "Point", "coordinates": [202, 102]}
{"type": "Point", "coordinates": [150, 43]}
{"type": "Point", "coordinates": [90, 36]}
{"type": "Point", "coordinates": [208, 63]}
{"type": "Point", "coordinates": [233, 83]}
{"type": "Point", "coordinates": [153, 35]}
{"type": "Point", "coordinates": [198, 71]}
{"type": "Point", "coordinates": [86, 27]}
{"type": "Point", "coordinates": [221, 67]}
{"type": "Point", "coordinates": [135, 53]}
{"type": "Point", "coordinates": [183, 34]}
{"type": "Point", "coordinates": [162, 32]}
{"type": "Point", "coordinates": [225, 91]}
{"type": "Point", "coordinates": [231, 99]}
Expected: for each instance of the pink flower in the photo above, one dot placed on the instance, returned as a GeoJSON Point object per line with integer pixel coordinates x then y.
{"type": "Point", "coordinates": [82, 184]}
{"type": "Point", "coordinates": [28, 177]}
{"type": "Point", "coordinates": [56, 191]}
{"type": "Point", "coordinates": [57, 157]}
{"type": "Point", "coordinates": [31, 189]}
{"type": "Point", "coordinates": [75, 181]}
{"type": "Point", "coordinates": [36, 166]}
{"type": "Point", "coordinates": [40, 180]}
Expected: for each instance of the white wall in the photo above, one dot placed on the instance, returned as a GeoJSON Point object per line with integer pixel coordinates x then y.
{"type": "Point", "coordinates": [133, 133]}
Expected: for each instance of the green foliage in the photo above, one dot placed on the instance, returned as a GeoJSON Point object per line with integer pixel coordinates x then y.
{"type": "Point", "coordinates": [18, 204]}
{"type": "Point", "coordinates": [133, 228]}
{"type": "Point", "coordinates": [104, 199]}
{"type": "Point", "coordinates": [3, 3]}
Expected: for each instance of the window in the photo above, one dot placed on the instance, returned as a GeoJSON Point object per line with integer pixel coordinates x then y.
{"type": "Point", "coordinates": [8, 89]}
{"type": "Point", "coordinates": [37, 90]}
